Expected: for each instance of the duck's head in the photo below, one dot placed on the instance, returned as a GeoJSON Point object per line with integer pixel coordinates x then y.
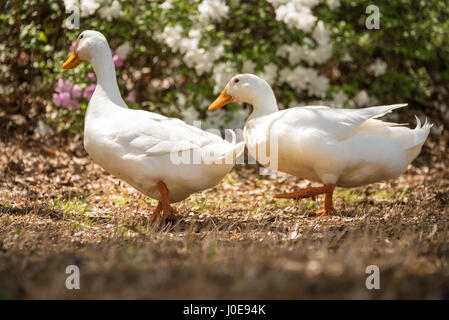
{"type": "Point", "coordinates": [246, 88]}
{"type": "Point", "coordinates": [88, 45]}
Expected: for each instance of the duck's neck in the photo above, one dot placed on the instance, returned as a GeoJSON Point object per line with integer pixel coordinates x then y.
{"type": "Point", "coordinates": [264, 103]}
{"type": "Point", "coordinates": [107, 87]}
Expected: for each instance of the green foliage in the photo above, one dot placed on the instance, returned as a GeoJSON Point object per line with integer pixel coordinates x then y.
{"type": "Point", "coordinates": [412, 40]}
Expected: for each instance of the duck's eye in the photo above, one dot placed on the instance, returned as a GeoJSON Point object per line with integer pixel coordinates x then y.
{"type": "Point", "coordinates": [81, 36]}
{"type": "Point", "coordinates": [236, 80]}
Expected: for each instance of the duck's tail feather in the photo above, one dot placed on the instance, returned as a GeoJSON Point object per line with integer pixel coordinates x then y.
{"type": "Point", "coordinates": [421, 132]}
{"type": "Point", "coordinates": [383, 110]}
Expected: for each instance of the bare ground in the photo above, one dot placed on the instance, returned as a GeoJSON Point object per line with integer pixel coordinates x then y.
{"type": "Point", "coordinates": [57, 208]}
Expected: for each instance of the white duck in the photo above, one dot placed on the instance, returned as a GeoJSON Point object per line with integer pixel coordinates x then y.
{"type": "Point", "coordinates": [335, 147]}
{"type": "Point", "coordinates": [164, 158]}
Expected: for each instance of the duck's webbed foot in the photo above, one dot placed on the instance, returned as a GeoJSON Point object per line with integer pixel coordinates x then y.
{"type": "Point", "coordinates": [327, 189]}
{"type": "Point", "coordinates": [163, 211]}
{"type": "Point", "coordinates": [156, 215]}
{"type": "Point", "coordinates": [169, 213]}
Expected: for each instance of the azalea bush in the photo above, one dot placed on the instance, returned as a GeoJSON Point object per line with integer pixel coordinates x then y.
{"type": "Point", "coordinates": [175, 56]}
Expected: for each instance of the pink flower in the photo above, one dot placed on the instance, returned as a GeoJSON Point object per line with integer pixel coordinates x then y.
{"type": "Point", "coordinates": [63, 86]}
{"type": "Point", "coordinates": [66, 93]}
{"type": "Point", "coordinates": [76, 91]}
{"type": "Point", "coordinates": [72, 46]}
{"type": "Point", "coordinates": [61, 99]}
{"type": "Point", "coordinates": [57, 99]}
{"type": "Point", "coordinates": [91, 76]}
{"type": "Point", "coordinates": [89, 91]}
{"type": "Point", "coordinates": [73, 104]}
{"type": "Point", "coordinates": [118, 62]}
{"type": "Point", "coordinates": [131, 96]}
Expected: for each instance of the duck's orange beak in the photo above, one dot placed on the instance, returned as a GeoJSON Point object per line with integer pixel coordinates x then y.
{"type": "Point", "coordinates": [222, 100]}
{"type": "Point", "coordinates": [72, 62]}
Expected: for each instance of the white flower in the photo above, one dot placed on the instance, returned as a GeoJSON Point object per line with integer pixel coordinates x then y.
{"type": "Point", "coordinates": [270, 73]}
{"type": "Point", "coordinates": [172, 36]}
{"type": "Point", "coordinates": [248, 67]}
{"type": "Point", "coordinates": [166, 5]}
{"type": "Point", "coordinates": [321, 34]}
{"type": "Point", "coordinates": [297, 78]}
{"type": "Point", "coordinates": [283, 51]}
{"type": "Point", "coordinates": [189, 115]}
{"type": "Point", "coordinates": [378, 67]}
{"type": "Point", "coordinates": [333, 4]}
{"type": "Point", "coordinates": [194, 56]}
{"type": "Point", "coordinates": [302, 78]}
{"type": "Point", "coordinates": [339, 99]}
{"type": "Point", "coordinates": [88, 7]}
{"type": "Point", "coordinates": [217, 52]}
{"type": "Point", "coordinates": [347, 57]}
{"type": "Point", "coordinates": [320, 54]}
{"type": "Point", "coordinates": [71, 5]}
{"type": "Point", "coordinates": [199, 59]}
{"type": "Point", "coordinates": [296, 15]}
{"type": "Point", "coordinates": [182, 100]}
{"type": "Point", "coordinates": [287, 76]}
{"type": "Point", "coordinates": [212, 10]}
{"type": "Point", "coordinates": [222, 73]}
{"type": "Point", "coordinates": [123, 50]}
{"type": "Point", "coordinates": [296, 53]}
{"type": "Point", "coordinates": [318, 86]}
{"type": "Point", "coordinates": [195, 33]}
{"type": "Point", "coordinates": [362, 98]}
{"type": "Point", "coordinates": [112, 11]}
{"type": "Point", "coordinates": [308, 3]}
{"type": "Point", "coordinates": [188, 44]}
{"type": "Point", "coordinates": [298, 3]}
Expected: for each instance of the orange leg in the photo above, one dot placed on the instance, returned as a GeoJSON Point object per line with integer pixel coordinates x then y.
{"type": "Point", "coordinates": [157, 212]}
{"type": "Point", "coordinates": [327, 190]}
{"type": "Point", "coordinates": [328, 207]}
{"type": "Point", "coordinates": [163, 205]}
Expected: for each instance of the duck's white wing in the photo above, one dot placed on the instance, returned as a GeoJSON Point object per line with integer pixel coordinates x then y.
{"type": "Point", "coordinates": [341, 123]}
{"type": "Point", "coordinates": [149, 134]}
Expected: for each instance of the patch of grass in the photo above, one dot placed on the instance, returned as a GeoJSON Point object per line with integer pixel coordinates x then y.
{"type": "Point", "coordinates": [405, 191]}
{"type": "Point", "coordinates": [120, 200]}
{"type": "Point", "coordinates": [70, 205]}
{"type": "Point", "coordinates": [312, 205]}
{"type": "Point", "coordinates": [18, 229]}
{"type": "Point", "coordinates": [150, 201]}
{"type": "Point", "coordinates": [229, 178]}
{"type": "Point", "coordinates": [348, 195]}
{"type": "Point", "coordinates": [202, 204]}
{"type": "Point", "coordinates": [382, 194]}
